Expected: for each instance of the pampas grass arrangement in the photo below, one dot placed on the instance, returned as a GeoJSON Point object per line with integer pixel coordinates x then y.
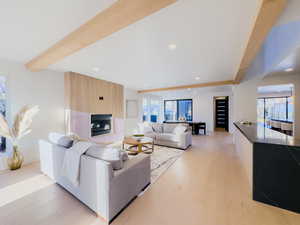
{"type": "Point", "coordinates": [21, 127]}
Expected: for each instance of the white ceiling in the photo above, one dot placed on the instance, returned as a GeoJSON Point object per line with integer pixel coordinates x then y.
{"type": "Point", "coordinates": [211, 36]}
{"type": "Point", "coordinates": [30, 27]}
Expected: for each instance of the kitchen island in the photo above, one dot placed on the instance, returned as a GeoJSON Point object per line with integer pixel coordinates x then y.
{"type": "Point", "coordinates": [272, 163]}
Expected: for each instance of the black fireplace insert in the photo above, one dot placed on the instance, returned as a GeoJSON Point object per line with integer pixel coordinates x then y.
{"type": "Point", "coordinates": [100, 124]}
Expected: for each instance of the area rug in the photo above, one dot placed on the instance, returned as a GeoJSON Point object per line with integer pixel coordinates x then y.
{"type": "Point", "coordinates": [161, 159]}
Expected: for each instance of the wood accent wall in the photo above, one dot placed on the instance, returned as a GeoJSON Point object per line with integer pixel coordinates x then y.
{"type": "Point", "coordinates": [82, 94]}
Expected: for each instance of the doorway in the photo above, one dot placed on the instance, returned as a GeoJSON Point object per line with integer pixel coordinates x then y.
{"type": "Point", "coordinates": [221, 113]}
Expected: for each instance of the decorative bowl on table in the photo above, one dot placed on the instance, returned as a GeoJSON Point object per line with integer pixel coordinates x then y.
{"type": "Point", "coordinates": [138, 136]}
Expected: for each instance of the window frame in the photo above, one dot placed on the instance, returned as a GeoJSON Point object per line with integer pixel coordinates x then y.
{"type": "Point", "coordinates": [286, 107]}
{"type": "Point", "coordinates": [177, 107]}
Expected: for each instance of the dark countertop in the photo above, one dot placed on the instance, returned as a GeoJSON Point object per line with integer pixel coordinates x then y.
{"type": "Point", "coordinates": [259, 134]}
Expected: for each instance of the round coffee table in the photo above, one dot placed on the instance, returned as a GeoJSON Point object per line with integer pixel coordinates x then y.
{"type": "Point", "coordinates": [138, 145]}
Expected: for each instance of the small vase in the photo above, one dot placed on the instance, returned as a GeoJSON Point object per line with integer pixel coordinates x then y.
{"type": "Point", "coordinates": [15, 162]}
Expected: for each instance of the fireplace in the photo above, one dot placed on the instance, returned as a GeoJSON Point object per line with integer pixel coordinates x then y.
{"type": "Point", "coordinates": [100, 124]}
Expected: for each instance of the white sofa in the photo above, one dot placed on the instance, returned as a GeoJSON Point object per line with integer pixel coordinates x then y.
{"type": "Point", "coordinates": [102, 189]}
{"type": "Point", "coordinates": [165, 134]}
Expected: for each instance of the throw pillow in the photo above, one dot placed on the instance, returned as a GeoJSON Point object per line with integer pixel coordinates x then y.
{"type": "Point", "coordinates": [158, 128]}
{"type": "Point", "coordinates": [61, 140]}
{"type": "Point", "coordinates": [65, 142]}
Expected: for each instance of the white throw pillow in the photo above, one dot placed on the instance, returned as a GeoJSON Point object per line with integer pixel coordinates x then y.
{"type": "Point", "coordinates": [61, 140]}
{"type": "Point", "coordinates": [179, 130]}
{"type": "Point", "coordinates": [157, 127]}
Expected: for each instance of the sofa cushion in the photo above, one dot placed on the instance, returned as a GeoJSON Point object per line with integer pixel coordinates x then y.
{"type": "Point", "coordinates": [179, 130]}
{"type": "Point", "coordinates": [169, 128]}
{"type": "Point", "coordinates": [111, 155]}
{"type": "Point", "coordinates": [167, 137]}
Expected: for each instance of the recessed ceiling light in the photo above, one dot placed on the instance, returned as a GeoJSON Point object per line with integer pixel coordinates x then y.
{"type": "Point", "coordinates": [289, 69]}
{"type": "Point", "coordinates": [96, 69]}
{"type": "Point", "coordinates": [197, 78]}
{"type": "Point", "coordinates": [172, 46]}
{"type": "Point", "coordinates": [189, 89]}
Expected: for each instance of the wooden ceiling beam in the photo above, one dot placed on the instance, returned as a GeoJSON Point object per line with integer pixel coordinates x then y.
{"type": "Point", "coordinates": [120, 15]}
{"type": "Point", "coordinates": [267, 17]}
{"type": "Point", "coordinates": [201, 85]}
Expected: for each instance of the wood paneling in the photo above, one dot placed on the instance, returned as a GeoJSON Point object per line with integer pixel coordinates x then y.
{"type": "Point", "coordinates": [209, 84]}
{"type": "Point", "coordinates": [118, 97]}
{"type": "Point", "coordinates": [269, 13]}
{"type": "Point", "coordinates": [83, 93]}
{"type": "Point", "coordinates": [120, 15]}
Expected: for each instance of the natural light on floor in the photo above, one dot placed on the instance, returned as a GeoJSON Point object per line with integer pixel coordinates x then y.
{"type": "Point", "coordinates": [21, 189]}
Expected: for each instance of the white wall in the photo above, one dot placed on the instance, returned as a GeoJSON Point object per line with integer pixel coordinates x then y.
{"type": "Point", "coordinates": [131, 123]}
{"type": "Point", "coordinates": [245, 95]}
{"type": "Point", "coordinates": [203, 103]}
{"type": "Point", "coordinates": [45, 89]}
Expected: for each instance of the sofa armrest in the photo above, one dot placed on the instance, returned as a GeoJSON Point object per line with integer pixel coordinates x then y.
{"type": "Point", "coordinates": [185, 139]}
{"type": "Point", "coordinates": [129, 182]}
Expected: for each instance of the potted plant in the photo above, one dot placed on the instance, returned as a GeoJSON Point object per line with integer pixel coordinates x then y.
{"type": "Point", "coordinates": [21, 127]}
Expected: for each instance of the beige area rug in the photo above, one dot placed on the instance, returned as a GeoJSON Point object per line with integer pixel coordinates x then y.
{"type": "Point", "coordinates": [161, 159]}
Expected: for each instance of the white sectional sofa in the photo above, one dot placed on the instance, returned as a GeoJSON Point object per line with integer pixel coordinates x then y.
{"type": "Point", "coordinates": [102, 189]}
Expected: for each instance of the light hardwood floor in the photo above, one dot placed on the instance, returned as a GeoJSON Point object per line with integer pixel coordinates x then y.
{"type": "Point", "coordinates": [206, 186]}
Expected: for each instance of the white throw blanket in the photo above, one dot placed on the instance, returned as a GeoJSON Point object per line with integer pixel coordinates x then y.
{"type": "Point", "coordinates": [71, 164]}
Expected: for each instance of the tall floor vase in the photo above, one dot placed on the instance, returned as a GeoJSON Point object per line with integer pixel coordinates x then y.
{"type": "Point", "coordinates": [15, 162]}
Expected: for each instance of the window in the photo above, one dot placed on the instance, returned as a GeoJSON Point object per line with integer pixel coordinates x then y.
{"type": "Point", "coordinates": [2, 109]}
{"type": "Point", "coordinates": [151, 109]}
{"type": "Point", "coordinates": [170, 110]}
{"type": "Point", "coordinates": [261, 111]}
{"type": "Point", "coordinates": [181, 109]}
{"type": "Point", "coordinates": [145, 109]}
{"type": "Point", "coordinates": [154, 110]}
{"type": "Point", "coordinates": [281, 108]}
{"type": "Point", "coordinates": [290, 108]}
